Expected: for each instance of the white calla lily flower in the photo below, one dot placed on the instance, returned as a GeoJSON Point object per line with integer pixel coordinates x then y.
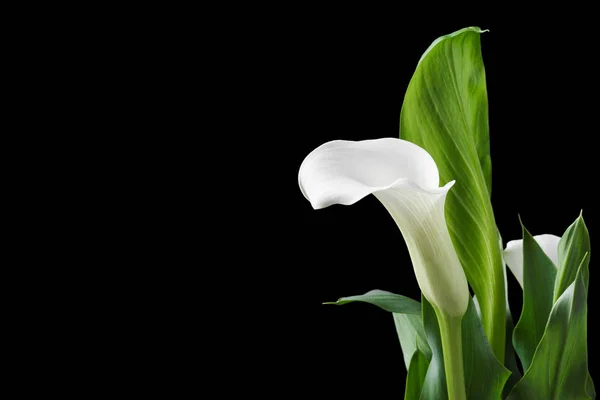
{"type": "Point", "coordinates": [513, 254]}
{"type": "Point", "coordinates": [405, 178]}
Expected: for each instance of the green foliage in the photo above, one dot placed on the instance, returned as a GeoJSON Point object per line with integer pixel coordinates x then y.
{"type": "Point", "coordinates": [539, 273]}
{"type": "Point", "coordinates": [559, 369]}
{"type": "Point", "coordinates": [407, 318]}
{"type": "Point", "coordinates": [411, 334]}
{"type": "Point", "coordinates": [434, 385]}
{"type": "Point", "coordinates": [388, 301]}
{"type": "Point", "coordinates": [417, 370]}
{"type": "Point", "coordinates": [485, 376]}
{"type": "Point", "coordinates": [574, 243]}
{"type": "Point", "coordinates": [445, 111]}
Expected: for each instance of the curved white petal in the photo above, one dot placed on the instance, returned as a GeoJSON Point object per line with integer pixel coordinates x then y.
{"type": "Point", "coordinates": [343, 172]}
{"type": "Point", "coordinates": [420, 216]}
{"type": "Point", "coordinates": [513, 254]}
{"type": "Point", "coordinates": [405, 179]}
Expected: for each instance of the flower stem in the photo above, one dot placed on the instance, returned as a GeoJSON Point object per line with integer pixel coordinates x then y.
{"type": "Point", "coordinates": [450, 330]}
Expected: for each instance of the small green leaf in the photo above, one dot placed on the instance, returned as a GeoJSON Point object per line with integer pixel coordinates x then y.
{"type": "Point", "coordinates": [411, 334]}
{"type": "Point", "coordinates": [589, 387]}
{"type": "Point", "coordinates": [574, 243]}
{"type": "Point", "coordinates": [445, 111]}
{"type": "Point", "coordinates": [539, 274]}
{"type": "Point", "coordinates": [416, 375]}
{"type": "Point", "coordinates": [485, 376]}
{"type": "Point", "coordinates": [510, 358]}
{"type": "Point", "coordinates": [559, 369]}
{"type": "Point", "coordinates": [434, 385]}
{"type": "Point", "coordinates": [388, 301]}
{"type": "Point", "coordinates": [407, 318]}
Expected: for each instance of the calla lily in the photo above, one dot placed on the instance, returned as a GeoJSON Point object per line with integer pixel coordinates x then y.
{"type": "Point", "coordinates": [513, 254]}
{"type": "Point", "coordinates": [405, 178]}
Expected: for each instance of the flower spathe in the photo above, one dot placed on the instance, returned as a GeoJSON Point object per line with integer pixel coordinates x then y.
{"type": "Point", "coordinates": [513, 254]}
{"type": "Point", "coordinates": [405, 179]}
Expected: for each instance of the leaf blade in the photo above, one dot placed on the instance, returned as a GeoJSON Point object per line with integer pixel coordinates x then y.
{"type": "Point", "coordinates": [485, 376]}
{"type": "Point", "coordinates": [407, 319]}
{"type": "Point", "coordinates": [539, 275]}
{"type": "Point", "coordinates": [388, 301]}
{"type": "Point", "coordinates": [411, 335]}
{"type": "Point", "coordinates": [574, 243]}
{"type": "Point", "coordinates": [416, 375]}
{"type": "Point", "coordinates": [561, 371]}
{"type": "Point", "coordinates": [445, 111]}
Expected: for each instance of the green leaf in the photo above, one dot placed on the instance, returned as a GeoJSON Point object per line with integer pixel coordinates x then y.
{"type": "Point", "coordinates": [589, 387]}
{"type": "Point", "coordinates": [407, 318]}
{"type": "Point", "coordinates": [510, 358]}
{"type": "Point", "coordinates": [485, 376]}
{"type": "Point", "coordinates": [559, 369]}
{"type": "Point", "coordinates": [411, 334]}
{"type": "Point", "coordinates": [445, 111]}
{"type": "Point", "coordinates": [416, 375]}
{"type": "Point", "coordinates": [434, 385]}
{"type": "Point", "coordinates": [388, 301]}
{"type": "Point", "coordinates": [539, 274]}
{"type": "Point", "coordinates": [573, 245]}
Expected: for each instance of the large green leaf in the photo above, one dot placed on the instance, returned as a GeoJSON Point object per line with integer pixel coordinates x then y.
{"type": "Point", "coordinates": [445, 111]}
{"type": "Point", "coordinates": [416, 376]}
{"type": "Point", "coordinates": [388, 301]}
{"type": "Point", "coordinates": [559, 369]}
{"type": "Point", "coordinates": [539, 274]}
{"type": "Point", "coordinates": [574, 243]}
{"type": "Point", "coordinates": [485, 376]}
{"type": "Point", "coordinates": [407, 319]}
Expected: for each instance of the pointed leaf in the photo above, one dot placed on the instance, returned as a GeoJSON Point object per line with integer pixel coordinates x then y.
{"type": "Point", "coordinates": [407, 318]}
{"type": "Point", "coordinates": [559, 369]}
{"type": "Point", "coordinates": [445, 111]}
{"type": "Point", "coordinates": [388, 301]}
{"type": "Point", "coordinates": [589, 387]}
{"type": "Point", "coordinates": [412, 337]}
{"type": "Point", "coordinates": [416, 375]}
{"type": "Point", "coordinates": [538, 284]}
{"type": "Point", "coordinates": [485, 376]}
{"type": "Point", "coordinates": [510, 357]}
{"type": "Point", "coordinates": [574, 243]}
{"type": "Point", "coordinates": [434, 385]}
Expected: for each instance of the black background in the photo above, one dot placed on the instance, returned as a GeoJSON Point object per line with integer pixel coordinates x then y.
{"type": "Point", "coordinates": [287, 80]}
{"type": "Point", "coordinates": [343, 75]}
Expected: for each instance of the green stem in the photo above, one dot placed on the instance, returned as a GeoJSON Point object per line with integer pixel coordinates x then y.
{"type": "Point", "coordinates": [450, 330]}
{"type": "Point", "coordinates": [493, 310]}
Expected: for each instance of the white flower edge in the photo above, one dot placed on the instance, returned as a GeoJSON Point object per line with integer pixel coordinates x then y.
{"type": "Point", "coordinates": [405, 178]}
{"type": "Point", "coordinates": [344, 172]}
